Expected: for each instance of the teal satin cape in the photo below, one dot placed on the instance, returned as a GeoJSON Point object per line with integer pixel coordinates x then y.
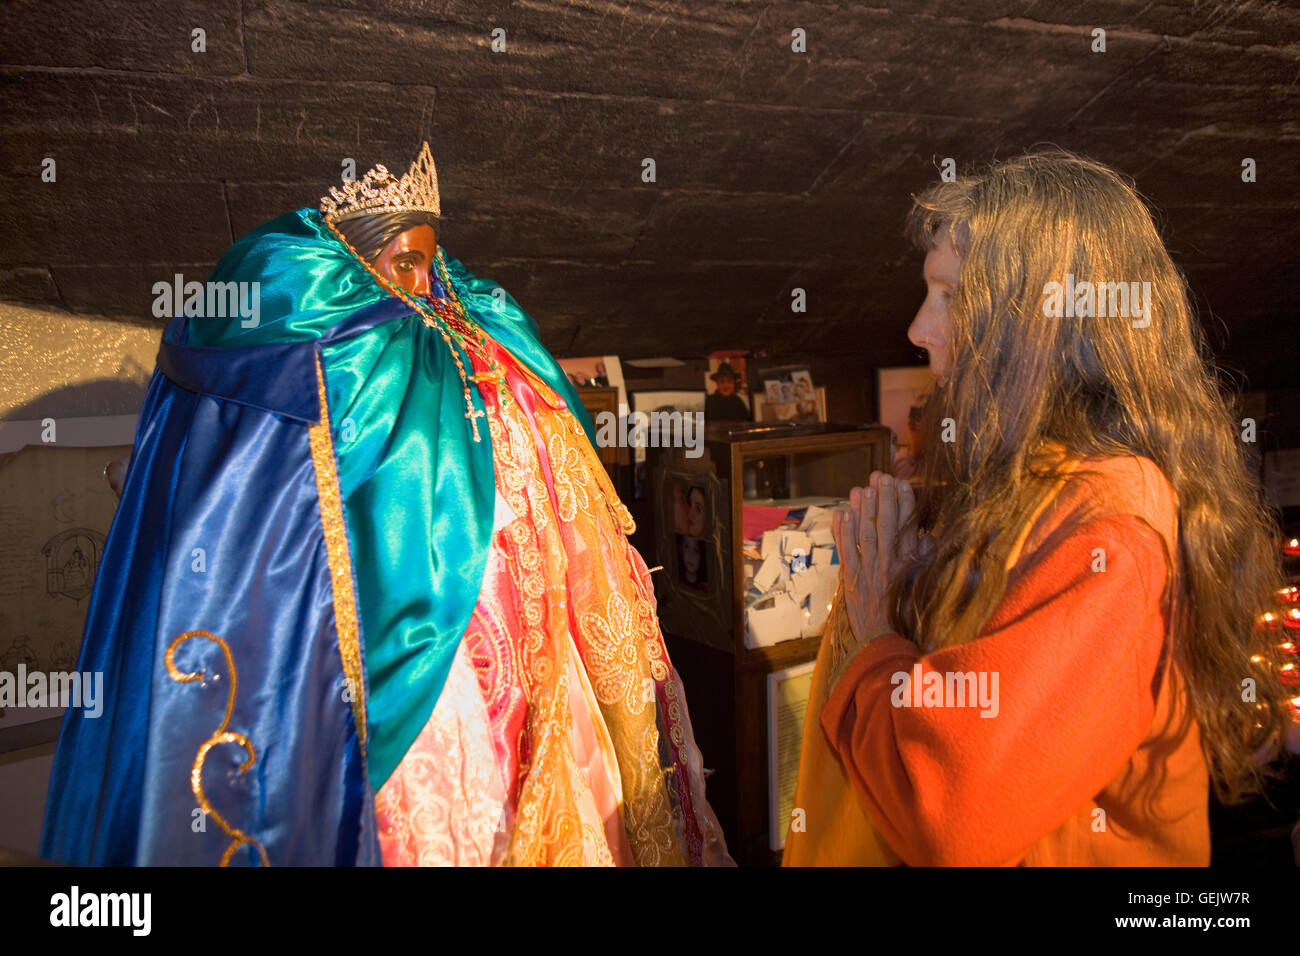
{"type": "Point", "coordinates": [419, 494]}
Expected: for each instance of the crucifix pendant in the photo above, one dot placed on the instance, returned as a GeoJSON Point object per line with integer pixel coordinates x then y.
{"type": "Point", "coordinates": [473, 415]}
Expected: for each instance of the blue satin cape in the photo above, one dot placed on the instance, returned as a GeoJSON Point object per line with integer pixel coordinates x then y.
{"type": "Point", "coordinates": [219, 530]}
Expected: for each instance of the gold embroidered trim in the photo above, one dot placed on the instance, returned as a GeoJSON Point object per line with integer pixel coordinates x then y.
{"type": "Point", "coordinates": [340, 560]}
{"type": "Point", "coordinates": [220, 736]}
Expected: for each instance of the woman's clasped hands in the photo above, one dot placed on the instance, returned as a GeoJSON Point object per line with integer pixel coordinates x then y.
{"type": "Point", "coordinates": [871, 550]}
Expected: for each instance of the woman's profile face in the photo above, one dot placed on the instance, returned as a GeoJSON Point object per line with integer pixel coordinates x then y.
{"type": "Point", "coordinates": [932, 327]}
{"type": "Point", "coordinates": [695, 513]}
{"type": "Point", "coordinates": [408, 258]}
{"type": "Point", "coordinates": [690, 550]}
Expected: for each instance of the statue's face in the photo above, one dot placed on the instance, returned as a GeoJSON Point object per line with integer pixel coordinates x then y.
{"type": "Point", "coordinates": [408, 259]}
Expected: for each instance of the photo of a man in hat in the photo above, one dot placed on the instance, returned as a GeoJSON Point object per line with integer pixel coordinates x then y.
{"type": "Point", "coordinates": [724, 403]}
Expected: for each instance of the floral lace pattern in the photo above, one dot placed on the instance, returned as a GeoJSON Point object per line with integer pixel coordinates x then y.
{"type": "Point", "coordinates": [574, 746]}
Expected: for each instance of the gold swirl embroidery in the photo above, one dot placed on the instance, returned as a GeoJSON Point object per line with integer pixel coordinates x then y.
{"type": "Point", "coordinates": [551, 826]}
{"type": "Point", "coordinates": [675, 733]}
{"type": "Point", "coordinates": [340, 560]}
{"type": "Point", "coordinates": [588, 466]}
{"type": "Point", "coordinates": [220, 736]}
{"type": "Point", "coordinates": [576, 464]}
{"type": "Point", "coordinates": [611, 637]}
{"type": "Point", "coordinates": [571, 494]}
{"type": "Point", "coordinates": [556, 822]}
{"type": "Point", "coordinates": [612, 660]}
{"type": "Point", "coordinates": [649, 818]}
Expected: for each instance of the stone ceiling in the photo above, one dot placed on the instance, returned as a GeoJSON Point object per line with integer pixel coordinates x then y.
{"type": "Point", "coordinates": [774, 169]}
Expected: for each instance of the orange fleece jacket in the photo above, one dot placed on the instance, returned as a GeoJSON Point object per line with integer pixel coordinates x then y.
{"type": "Point", "coordinates": [1092, 757]}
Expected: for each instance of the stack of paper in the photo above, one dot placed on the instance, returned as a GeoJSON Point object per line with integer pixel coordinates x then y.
{"type": "Point", "coordinates": [790, 575]}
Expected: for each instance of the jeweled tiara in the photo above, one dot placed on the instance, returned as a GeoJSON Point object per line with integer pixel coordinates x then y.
{"type": "Point", "coordinates": [380, 191]}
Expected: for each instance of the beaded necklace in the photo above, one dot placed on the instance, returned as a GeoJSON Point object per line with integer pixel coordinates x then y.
{"type": "Point", "coordinates": [449, 318]}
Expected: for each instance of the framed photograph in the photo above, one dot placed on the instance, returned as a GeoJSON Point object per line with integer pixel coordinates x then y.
{"type": "Point", "coordinates": [55, 511]}
{"type": "Point", "coordinates": [765, 411]}
{"type": "Point", "coordinates": [726, 388]}
{"type": "Point", "coordinates": [902, 395]}
{"type": "Point", "coordinates": [678, 401]}
{"type": "Point", "coordinates": [694, 562]}
{"type": "Point", "coordinates": [789, 395]}
{"type": "Point", "coordinates": [598, 401]}
{"type": "Point", "coordinates": [691, 558]}
{"type": "Point", "coordinates": [693, 586]}
{"type": "Point", "coordinates": [596, 371]}
{"type": "Point", "coordinates": [658, 401]}
{"type": "Point", "coordinates": [692, 524]}
{"type": "Point", "coordinates": [787, 704]}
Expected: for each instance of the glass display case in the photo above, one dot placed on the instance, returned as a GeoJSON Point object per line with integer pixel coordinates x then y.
{"type": "Point", "coordinates": [747, 571]}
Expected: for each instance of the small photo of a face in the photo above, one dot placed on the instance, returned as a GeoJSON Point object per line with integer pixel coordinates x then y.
{"type": "Point", "coordinates": [690, 509]}
{"type": "Point", "coordinates": [697, 511]}
{"type": "Point", "coordinates": [692, 563]}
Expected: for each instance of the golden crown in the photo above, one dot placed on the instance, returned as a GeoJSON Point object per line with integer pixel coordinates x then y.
{"type": "Point", "coordinates": [380, 191]}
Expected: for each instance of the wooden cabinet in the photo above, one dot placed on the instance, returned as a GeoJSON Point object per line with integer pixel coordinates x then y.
{"type": "Point", "coordinates": [604, 401]}
{"type": "Point", "coordinates": [698, 510]}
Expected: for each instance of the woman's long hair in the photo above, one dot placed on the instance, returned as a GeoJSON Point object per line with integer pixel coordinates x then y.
{"type": "Point", "coordinates": [1100, 387]}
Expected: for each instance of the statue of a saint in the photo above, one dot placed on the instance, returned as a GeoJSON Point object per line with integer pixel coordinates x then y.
{"type": "Point", "coordinates": [368, 597]}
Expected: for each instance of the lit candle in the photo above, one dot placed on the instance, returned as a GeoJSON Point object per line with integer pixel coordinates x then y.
{"type": "Point", "coordinates": [1268, 621]}
{"type": "Point", "coordinates": [1289, 674]}
{"type": "Point", "coordinates": [1292, 547]}
{"type": "Point", "coordinates": [1292, 618]}
{"type": "Point", "coordinates": [1289, 595]}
